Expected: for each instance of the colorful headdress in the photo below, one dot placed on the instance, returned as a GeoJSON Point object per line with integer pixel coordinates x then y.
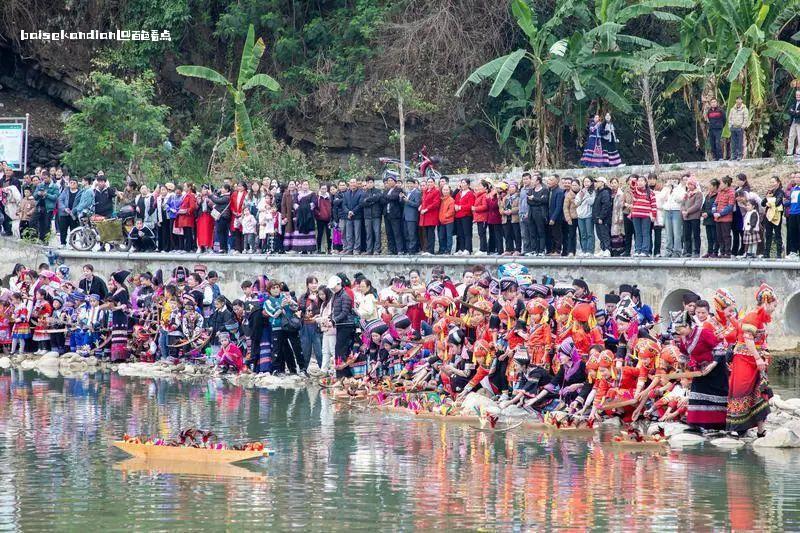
{"type": "Point", "coordinates": [670, 354]}
{"type": "Point", "coordinates": [765, 294]}
{"type": "Point", "coordinates": [647, 349]}
{"type": "Point", "coordinates": [723, 298]}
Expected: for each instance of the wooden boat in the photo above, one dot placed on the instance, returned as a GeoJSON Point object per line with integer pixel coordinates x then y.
{"type": "Point", "coordinates": [583, 430]}
{"type": "Point", "coordinates": [188, 454]}
{"type": "Point", "coordinates": [640, 445]}
{"type": "Point", "coordinates": [192, 468]}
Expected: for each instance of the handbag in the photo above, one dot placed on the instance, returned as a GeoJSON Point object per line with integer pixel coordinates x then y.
{"type": "Point", "coordinates": [216, 214]}
{"type": "Point", "coordinates": [293, 324]}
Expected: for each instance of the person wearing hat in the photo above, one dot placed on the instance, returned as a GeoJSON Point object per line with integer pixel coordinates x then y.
{"type": "Point", "coordinates": [601, 213]}
{"type": "Point", "coordinates": [393, 199]}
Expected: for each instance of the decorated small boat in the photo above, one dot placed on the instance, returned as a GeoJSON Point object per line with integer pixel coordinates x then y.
{"type": "Point", "coordinates": [633, 438]}
{"type": "Point", "coordinates": [192, 445]}
{"type": "Point", "coordinates": [558, 422]}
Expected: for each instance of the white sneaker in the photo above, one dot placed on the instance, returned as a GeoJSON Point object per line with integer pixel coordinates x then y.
{"type": "Point", "coordinates": [607, 253]}
{"type": "Point", "coordinates": [599, 254]}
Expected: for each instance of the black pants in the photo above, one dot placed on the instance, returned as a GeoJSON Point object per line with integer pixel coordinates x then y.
{"type": "Point", "coordinates": [628, 236]}
{"type": "Point", "coordinates": [64, 225]}
{"type": "Point", "coordinates": [792, 234]}
{"type": "Point", "coordinates": [738, 242]}
{"type": "Point", "coordinates": [483, 243]}
{"type": "Point", "coordinates": [603, 235]}
{"type": "Point", "coordinates": [496, 238]}
{"type": "Point", "coordinates": [691, 232]}
{"type": "Point", "coordinates": [513, 236]}
{"type": "Point", "coordinates": [286, 351]}
{"type": "Point", "coordinates": [45, 221]}
{"type": "Point", "coordinates": [344, 341]}
{"type": "Point", "coordinates": [724, 238]}
{"type": "Point", "coordinates": [430, 239]}
{"type": "Point", "coordinates": [412, 243]}
{"type": "Point", "coordinates": [715, 139]}
{"type": "Point", "coordinates": [711, 239]}
{"type": "Point", "coordinates": [773, 231]}
{"type": "Point", "coordinates": [165, 236]}
{"type": "Point", "coordinates": [323, 233]}
{"type": "Point", "coordinates": [464, 234]}
{"type": "Point", "coordinates": [538, 223]}
{"type": "Point", "coordinates": [570, 237]}
{"type": "Point", "coordinates": [655, 240]}
{"type": "Point", "coordinates": [555, 237]}
{"type": "Point", "coordinates": [394, 236]}
{"type": "Point", "coordinates": [189, 242]}
{"type": "Point", "coordinates": [238, 240]}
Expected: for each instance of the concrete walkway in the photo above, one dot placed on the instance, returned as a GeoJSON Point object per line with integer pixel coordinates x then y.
{"type": "Point", "coordinates": [431, 260]}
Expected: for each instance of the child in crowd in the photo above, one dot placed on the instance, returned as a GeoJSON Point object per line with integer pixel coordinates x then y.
{"type": "Point", "coordinates": [269, 224]}
{"type": "Point", "coordinates": [752, 228]}
{"type": "Point", "coordinates": [249, 232]}
{"type": "Point", "coordinates": [21, 329]}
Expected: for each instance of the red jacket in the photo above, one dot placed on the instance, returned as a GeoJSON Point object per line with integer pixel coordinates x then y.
{"type": "Point", "coordinates": [493, 212]}
{"type": "Point", "coordinates": [725, 199]}
{"type": "Point", "coordinates": [466, 201]}
{"type": "Point", "coordinates": [447, 210]}
{"type": "Point", "coordinates": [237, 206]}
{"type": "Point", "coordinates": [481, 209]}
{"type": "Point", "coordinates": [431, 199]}
{"type": "Point", "coordinates": [186, 211]}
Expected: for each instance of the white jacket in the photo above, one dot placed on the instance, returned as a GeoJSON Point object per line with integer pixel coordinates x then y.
{"type": "Point", "coordinates": [13, 198]}
{"type": "Point", "coordinates": [673, 200]}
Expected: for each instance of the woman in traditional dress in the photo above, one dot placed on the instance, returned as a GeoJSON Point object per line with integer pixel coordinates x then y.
{"type": "Point", "coordinates": [708, 398]}
{"type": "Point", "coordinates": [748, 391]}
{"type": "Point", "coordinates": [118, 305]}
{"type": "Point", "coordinates": [41, 312]}
{"type": "Point", "coordinates": [286, 208]}
{"type": "Point", "coordinates": [609, 135]}
{"type": "Point", "coordinates": [593, 151]}
{"type": "Point", "coordinates": [304, 238]}
{"type": "Point", "coordinates": [205, 222]}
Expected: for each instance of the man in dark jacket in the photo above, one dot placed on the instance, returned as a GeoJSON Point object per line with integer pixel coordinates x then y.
{"type": "Point", "coordinates": [601, 213]}
{"type": "Point", "coordinates": [104, 196]}
{"type": "Point", "coordinates": [91, 284]}
{"type": "Point", "coordinates": [394, 216]}
{"type": "Point", "coordinates": [354, 214]}
{"type": "Point", "coordinates": [222, 210]}
{"type": "Point", "coordinates": [372, 205]}
{"type": "Point", "coordinates": [715, 116]}
{"type": "Point", "coordinates": [338, 214]}
{"type": "Point", "coordinates": [412, 200]}
{"type": "Point", "coordinates": [555, 214]}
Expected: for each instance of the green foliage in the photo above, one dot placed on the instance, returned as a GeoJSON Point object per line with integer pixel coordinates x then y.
{"type": "Point", "coordinates": [247, 80]}
{"type": "Point", "coordinates": [317, 44]}
{"type": "Point", "coordinates": [101, 133]}
{"type": "Point", "coordinates": [271, 158]}
{"type": "Point", "coordinates": [146, 15]}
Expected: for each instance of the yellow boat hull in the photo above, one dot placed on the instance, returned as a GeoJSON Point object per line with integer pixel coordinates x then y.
{"type": "Point", "coordinates": [186, 454]}
{"type": "Point", "coordinates": [192, 468]}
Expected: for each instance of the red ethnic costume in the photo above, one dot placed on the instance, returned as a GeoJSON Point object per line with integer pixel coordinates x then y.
{"type": "Point", "coordinates": [748, 390]}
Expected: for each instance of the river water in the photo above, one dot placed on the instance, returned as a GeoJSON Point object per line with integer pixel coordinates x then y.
{"type": "Point", "coordinates": [336, 468]}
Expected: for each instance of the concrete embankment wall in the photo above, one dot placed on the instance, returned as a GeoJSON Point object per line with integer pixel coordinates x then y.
{"type": "Point", "coordinates": [662, 282]}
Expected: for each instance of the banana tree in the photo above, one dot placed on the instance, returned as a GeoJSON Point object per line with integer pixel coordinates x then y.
{"type": "Point", "coordinates": [544, 45]}
{"type": "Point", "coordinates": [646, 70]}
{"type": "Point", "coordinates": [247, 79]}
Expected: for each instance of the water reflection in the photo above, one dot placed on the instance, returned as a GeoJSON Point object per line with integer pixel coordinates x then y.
{"type": "Point", "coordinates": [339, 468]}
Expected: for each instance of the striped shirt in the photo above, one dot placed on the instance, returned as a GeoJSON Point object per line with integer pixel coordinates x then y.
{"type": "Point", "coordinates": [644, 204]}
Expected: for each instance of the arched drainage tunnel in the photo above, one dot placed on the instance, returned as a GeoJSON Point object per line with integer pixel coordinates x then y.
{"type": "Point", "coordinates": [674, 302]}
{"type": "Point", "coordinates": [791, 314]}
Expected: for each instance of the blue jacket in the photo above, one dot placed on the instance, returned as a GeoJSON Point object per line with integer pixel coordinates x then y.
{"type": "Point", "coordinates": [411, 209]}
{"type": "Point", "coordinates": [792, 201]}
{"type": "Point", "coordinates": [84, 203]}
{"type": "Point", "coordinates": [63, 203]}
{"type": "Point", "coordinates": [556, 210]}
{"type": "Point", "coordinates": [50, 197]}
{"type": "Point", "coordinates": [351, 201]}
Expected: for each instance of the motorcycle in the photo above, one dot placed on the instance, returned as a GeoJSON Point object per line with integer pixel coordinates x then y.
{"type": "Point", "coordinates": [97, 229]}
{"type": "Point", "coordinates": [424, 166]}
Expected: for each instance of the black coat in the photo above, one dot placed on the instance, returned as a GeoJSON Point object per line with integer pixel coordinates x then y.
{"type": "Point", "coordinates": [394, 205]}
{"type": "Point", "coordinates": [342, 313]}
{"type": "Point", "coordinates": [603, 206]}
{"type": "Point", "coordinates": [372, 203]}
{"type": "Point", "coordinates": [97, 286]}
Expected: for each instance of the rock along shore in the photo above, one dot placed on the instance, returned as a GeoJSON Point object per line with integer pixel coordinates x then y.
{"type": "Point", "coordinates": [69, 365]}
{"type": "Point", "coordinates": [783, 423]}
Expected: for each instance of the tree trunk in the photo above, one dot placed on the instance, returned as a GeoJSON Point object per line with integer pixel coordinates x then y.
{"type": "Point", "coordinates": [647, 100]}
{"type": "Point", "coordinates": [540, 155]}
{"type": "Point", "coordinates": [130, 163]}
{"type": "Point", "coordinates": [401, 116]}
